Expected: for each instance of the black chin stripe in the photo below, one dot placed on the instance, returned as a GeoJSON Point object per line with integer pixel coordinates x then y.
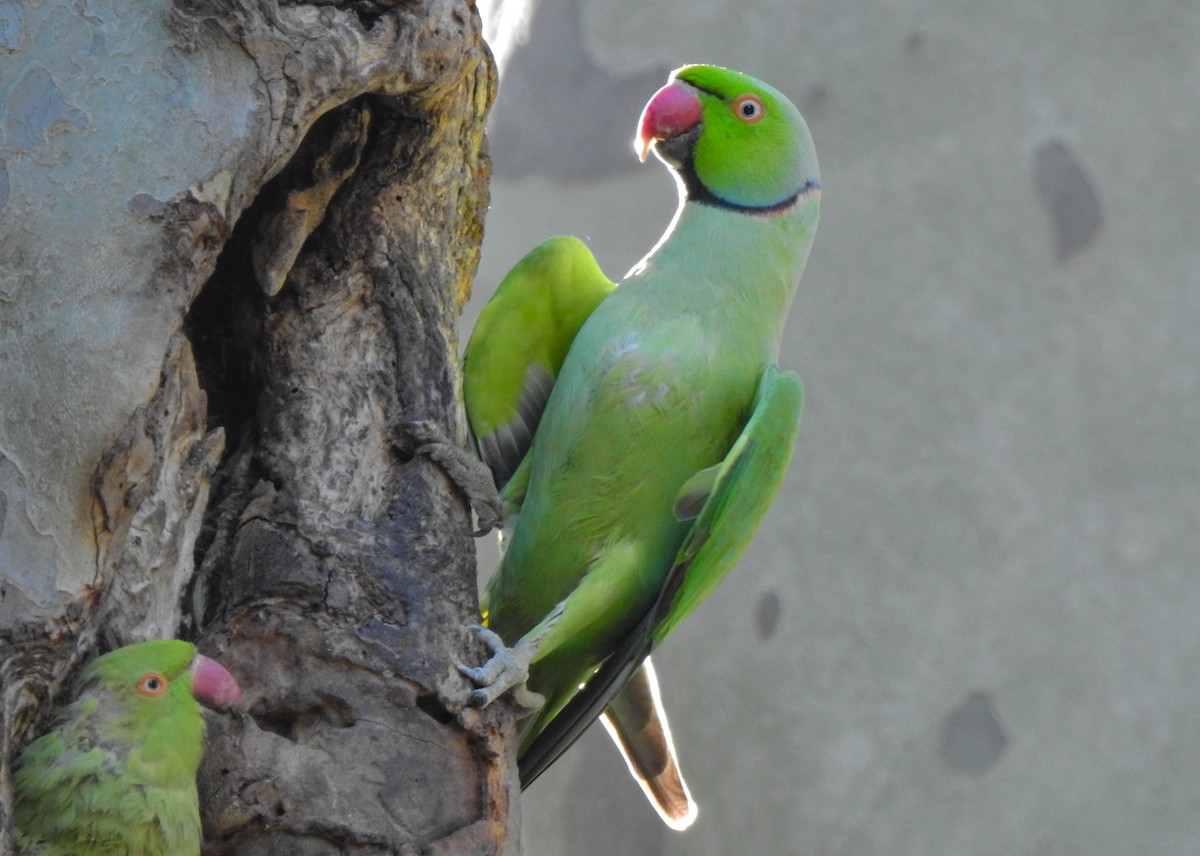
{"type": "Point", "coordinates": [697, 191]}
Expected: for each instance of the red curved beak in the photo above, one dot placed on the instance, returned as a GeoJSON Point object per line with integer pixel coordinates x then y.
{"type": "Point", "coordinates": [672, 110]}
{"type": "Point", "coordinates": [213, 686]}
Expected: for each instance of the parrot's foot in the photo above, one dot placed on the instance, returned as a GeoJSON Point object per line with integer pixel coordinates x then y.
{"type": "Point", "coordinates": [508, 669]}
{"type": "Point", "coordinates": [472, 475]}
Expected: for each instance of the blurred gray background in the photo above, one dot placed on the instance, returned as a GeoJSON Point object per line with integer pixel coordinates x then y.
{"type": "Point", "coordinates": [971, 622]}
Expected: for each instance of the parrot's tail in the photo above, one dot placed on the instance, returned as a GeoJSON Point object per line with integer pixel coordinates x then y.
{"type": "Point", "coordinates": [637, 723]}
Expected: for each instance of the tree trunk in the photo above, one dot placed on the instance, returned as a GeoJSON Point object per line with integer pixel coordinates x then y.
{"type": "Point", "coordinates": [235, 246]}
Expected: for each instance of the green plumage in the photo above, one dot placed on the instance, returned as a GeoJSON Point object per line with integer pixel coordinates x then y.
{"type": "Point", "coordinates": [118, 774]}
{"type": "Point", "coordinates": [520, 341]}
{"type": "Point", "coordinates": [668, 428]}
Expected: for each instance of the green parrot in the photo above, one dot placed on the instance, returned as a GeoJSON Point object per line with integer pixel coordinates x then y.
{"type": "Point", "coordinates": [516, 350]}
{"type": "Point", "coordinates": [118, 773]}
{"type": "Point", "coordinates": [668, 428]}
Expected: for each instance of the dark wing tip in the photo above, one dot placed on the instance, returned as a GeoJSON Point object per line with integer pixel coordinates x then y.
{"type": "Point", "coordinates": [505, 448]}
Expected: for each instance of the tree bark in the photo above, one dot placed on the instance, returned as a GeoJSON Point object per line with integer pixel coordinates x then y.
{"type": "Point", "coordinates": [288, 304]}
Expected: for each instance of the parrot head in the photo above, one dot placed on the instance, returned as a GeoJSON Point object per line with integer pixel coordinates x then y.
{"type": "Point", "coordinates": [149, 692]}
{"type": "Point", "coordinates": [146, 680]}
{"type": "Point", "coordinates": [118, 772]}
{"type": "Point", "coordinates": [732, 140]}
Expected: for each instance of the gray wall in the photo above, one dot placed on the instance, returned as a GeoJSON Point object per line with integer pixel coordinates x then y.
{"type": "Point", "coordinates": [971, 622]}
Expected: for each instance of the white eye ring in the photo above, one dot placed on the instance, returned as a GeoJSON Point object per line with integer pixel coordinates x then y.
{"type": "Point", "coordinates": [748, 108]}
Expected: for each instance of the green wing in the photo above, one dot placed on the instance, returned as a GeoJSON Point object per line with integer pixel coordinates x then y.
{"type": "Point", "coordinates": [741, 490]}
{"type": "Point", "coordinates": [728, 501]}
{"type": "Point", "coordinates": [519, 343]}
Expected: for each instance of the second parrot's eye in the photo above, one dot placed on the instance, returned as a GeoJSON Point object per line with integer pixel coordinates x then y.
{"type": "Point", "coordinates": [152, 685]}
{"type": "Point", "coordinates": [748, 108]}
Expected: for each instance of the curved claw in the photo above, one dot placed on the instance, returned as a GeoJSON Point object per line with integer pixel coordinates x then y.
{"type": "Point", "coordinates": [507, 669]}
{"type": "Point", "coordinates": [524, 698]}
{"type": "Point", "coordinates": [469, 473]}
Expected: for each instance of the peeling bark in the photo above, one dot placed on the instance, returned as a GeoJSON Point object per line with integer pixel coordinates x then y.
{"type": "Point", "coordinates": [306, 288]}
{"type": "Point", "coordinates": [151, 489]}
{"type": "Point", "coordinates": [344, 556]}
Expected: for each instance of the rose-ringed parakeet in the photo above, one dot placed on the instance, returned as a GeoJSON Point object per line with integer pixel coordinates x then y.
{"type": "Point", "coordinates": [515, 353]}
{"type": "Point", "coordinates": [668, 429]}
{"type": "Point", "coordinates": [117, 775]}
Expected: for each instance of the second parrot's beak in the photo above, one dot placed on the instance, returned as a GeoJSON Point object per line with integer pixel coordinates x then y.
{"type": "Point", "coordinates": [673, 110]}
{"type": "Point", "coordinates": [213, 686]}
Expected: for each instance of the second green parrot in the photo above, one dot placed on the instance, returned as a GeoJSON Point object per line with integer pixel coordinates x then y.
{"type": "Point", "coordinates": [668, 427]}
{"type": "Point", "coordinates": [117, 775]}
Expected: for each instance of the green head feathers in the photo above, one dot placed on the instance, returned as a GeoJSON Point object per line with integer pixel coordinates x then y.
{"type": "Point", "coordinates": [118, 773]}
{"type": "Point", "coordinates": [734, 140]}
{"type": "Point", "coordinates": [136, 677]}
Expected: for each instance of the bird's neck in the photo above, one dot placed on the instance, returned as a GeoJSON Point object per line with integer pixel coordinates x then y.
{"type": "Point", "coordinates": [755, 258]}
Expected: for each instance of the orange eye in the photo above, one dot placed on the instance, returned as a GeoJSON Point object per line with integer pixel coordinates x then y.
{"type": "Point", "coordinates": [152, 685]}
{"type": "Point", "coordinates": [748, 108]}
